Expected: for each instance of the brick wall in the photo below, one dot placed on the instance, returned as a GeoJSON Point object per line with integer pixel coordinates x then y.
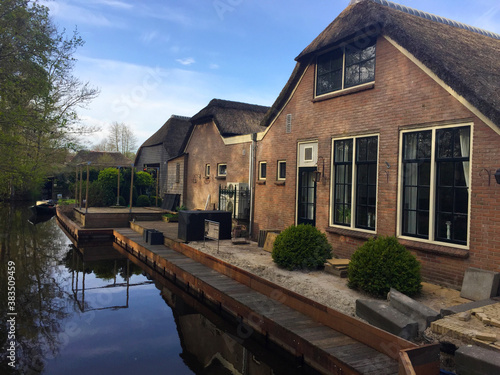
{"type": "Point", "coordinates": [403, 96]}
{"type": "Point", "coordinates": [207, 147]}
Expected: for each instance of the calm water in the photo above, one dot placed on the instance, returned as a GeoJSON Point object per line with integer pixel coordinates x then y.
{"type": "Point", "coordinates": [94, 311]}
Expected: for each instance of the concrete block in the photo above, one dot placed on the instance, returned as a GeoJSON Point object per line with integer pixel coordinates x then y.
{"type": "Point", "coordinates": [480, 284]}
{"type": "Point", "coordinates": [466, 307]}
{"type": "Point", "coordinates": [473, 360]}
{"type": "Point", "coordinates": [416, 311]}
{"type": "Point", "coordinates": [383, 316]}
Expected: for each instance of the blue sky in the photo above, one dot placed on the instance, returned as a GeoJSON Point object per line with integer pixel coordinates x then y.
{"type": "Point", "coordinates": [155, 58]}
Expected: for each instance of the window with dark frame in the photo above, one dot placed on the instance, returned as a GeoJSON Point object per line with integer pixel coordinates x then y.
{"type": "Point", "coordinates": [346, 67]}
{"type": "Point", "coordinates": [281, 170]}
{"type": "Point", "coordinates": [177, 172]}
{"type": "Point", "coordinates": [358, 211]}
{"type": "Point", "coordinates": [207, 170]}
{"type": "Point", "coordinates": [450, 187]}
{"type": "Point", "coordinates": [262, 170]}
{"type": "Point", "coordinates": [222, 169]}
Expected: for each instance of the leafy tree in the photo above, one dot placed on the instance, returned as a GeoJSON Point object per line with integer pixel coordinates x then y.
{"type": "Point", "coordinates": [39, 96]}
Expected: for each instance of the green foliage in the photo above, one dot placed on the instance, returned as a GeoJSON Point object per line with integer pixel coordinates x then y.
{"type": "Point", "coordinates": [109, 178]}
{"type": "Point", "coordinates": [301, 247]}
{"type": "Point", "coordinates": [181, 208]}
{"type": "Point", "coordinates": [122, 201]}
{"type": "Point", "coordinates": [38, 96]}
{"type": "Point", "coordinates": [383, 263]}
{"type": "Point", "coordinates": [153, 201]}
{"type": "Point", "coordinates": [143, 181]}
{"type": "Point", "coordinates": [143, 201]}
{"type": "Point", "coordinates": [99, 196]}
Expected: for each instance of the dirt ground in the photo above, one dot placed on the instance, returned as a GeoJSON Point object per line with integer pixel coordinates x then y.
{"type": "Point", "coordinates": [320, 286]}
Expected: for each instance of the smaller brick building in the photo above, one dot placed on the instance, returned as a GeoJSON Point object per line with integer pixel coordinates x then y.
{"type": "Point", "coordinates": [390, 125]}
{"type": "Point", "coordinates": [218, 151]}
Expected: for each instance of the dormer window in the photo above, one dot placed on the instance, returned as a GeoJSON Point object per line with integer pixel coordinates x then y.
{"type": "Point", "coordinates": [345, 67]}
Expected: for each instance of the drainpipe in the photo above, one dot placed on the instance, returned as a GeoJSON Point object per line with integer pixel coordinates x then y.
{"type": "Point", "coordinates": [251, 180]}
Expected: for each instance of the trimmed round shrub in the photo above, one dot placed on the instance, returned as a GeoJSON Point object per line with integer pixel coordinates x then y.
{"type": "Point", "coordinates": [383, 263]}
{"type": "Point", "coordinates": [301, 247]}
{"type": "Point", "coordinates": [143, 201]}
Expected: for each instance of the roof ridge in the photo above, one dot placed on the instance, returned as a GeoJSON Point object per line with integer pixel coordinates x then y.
{"type": "Point", "coordinates": [432, 17]}
{"type": "Point", "coordinates": [178, 117]}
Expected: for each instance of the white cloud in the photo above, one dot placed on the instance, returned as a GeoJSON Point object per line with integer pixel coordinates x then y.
{"type": "Point", "coordinates": [214, 66]}
{"type": "Point", "coordinates": [143, 97]}
{"type": "Point", "coordinates": [114, 4]}
{"type": "Point", "coordinates": [186, 61]}
{"type": "Point", "coordinates": [79, 15]}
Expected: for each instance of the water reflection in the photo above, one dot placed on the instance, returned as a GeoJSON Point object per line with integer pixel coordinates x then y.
{"type": "Point", "coordinates": [95, 310]}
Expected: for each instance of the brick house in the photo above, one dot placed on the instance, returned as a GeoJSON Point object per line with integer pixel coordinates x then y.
{"type": "Point", "coordinates": [218, 152]}
{"type": "Point", "coordinates": [167, 143]}
{"type": "Point", "coordinates": [390, 125]}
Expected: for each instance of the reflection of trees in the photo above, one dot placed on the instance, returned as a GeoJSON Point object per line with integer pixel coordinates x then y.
{"type": "Point", "coordinates": [40, 299]}
{"type": "Point", "coordinates": [103, 269]}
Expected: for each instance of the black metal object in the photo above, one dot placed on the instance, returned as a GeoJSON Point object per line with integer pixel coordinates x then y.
{"type": "Point", "coordinates": [192, 224]}
{"type": "Point", "coordinates": [235, 200]}
{"type": "Point", "coordinates": [153, 237]}
{"type": "Point", "coordinates": [171, 201]}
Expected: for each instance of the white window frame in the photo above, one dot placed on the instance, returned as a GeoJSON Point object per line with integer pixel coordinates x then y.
{"type": "Point", "coordinates": [278, 176]}
{"type": "Point", "coordinates": [352, 225]}
{"type": "Point", "coordinates": [261, 163]}
{"type": "Point", "coordinates": [207, 170]}
{"type": "Point", "coordinates": [433, 184]}
{"type": "Point", "coordinates": [219, 170]}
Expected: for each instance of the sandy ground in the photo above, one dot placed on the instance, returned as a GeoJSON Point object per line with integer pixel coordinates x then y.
{"type": "Point", "coordinates": [320, 286]}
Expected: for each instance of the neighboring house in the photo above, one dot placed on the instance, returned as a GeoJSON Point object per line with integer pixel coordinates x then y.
{"type": "Point", "coordinates": [389, 125]}
{"type": "Point", "coordinates": [219, 149]}
{"type": "Point", "coordinates": [100, 159]}
{"type": "Point", "coordinates": [167, 143]}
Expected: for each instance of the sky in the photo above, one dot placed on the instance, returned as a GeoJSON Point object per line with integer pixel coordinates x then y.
{"type": "Point", "coordinates": [151, 59]}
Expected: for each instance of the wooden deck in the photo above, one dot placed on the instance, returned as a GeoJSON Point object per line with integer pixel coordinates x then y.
{"type": "Point", "coordinates": [321, 346]}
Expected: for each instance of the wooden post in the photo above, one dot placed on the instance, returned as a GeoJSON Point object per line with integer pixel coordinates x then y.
{"type": "Point", "coordinates": [81, 185]}
{"type": "Point", "coordinates": [76, 186]}
{"type": "Point", "coordinates": [118, 193]}
{"type": "Point", "coordinates": [87, 190]}
{"type": "Point", "coordinates": [131, 186]}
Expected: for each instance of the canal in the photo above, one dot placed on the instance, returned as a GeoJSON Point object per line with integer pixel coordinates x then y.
{"type": "Point", "coordinates": [98, 310]}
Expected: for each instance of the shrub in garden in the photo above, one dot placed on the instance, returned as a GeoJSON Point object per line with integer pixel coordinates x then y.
{"type": "Point", "coordinates": [142, 201]}
{"type": "Point", "coordinates": [301, 247]}
{"type": "Point", "coordinates": [383, 263]}
{"type": "Point", "coordinates": [153, 201]}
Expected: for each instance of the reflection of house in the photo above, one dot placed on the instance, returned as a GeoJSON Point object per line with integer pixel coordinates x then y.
{"type": "Point", "coordinates": [218, 150]}
{"type": "Point", "coordinates": [389, 125]}
{"type": "Point", "coordinates": [167, 143]}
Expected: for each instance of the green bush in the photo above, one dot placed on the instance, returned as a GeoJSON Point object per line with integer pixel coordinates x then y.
{"type": "Point", "coordinates": [99, 196]}
{"type": "Point", "coordinates": [383, 263]}
{"type": "Point", "coordinates": [142, 201]}
{"type": "Point", "coordinates": [122, 201]}
{"type": "Point", "coordinates": [301, 247]}
{"type": "Point", "coordinates": [153, 201]}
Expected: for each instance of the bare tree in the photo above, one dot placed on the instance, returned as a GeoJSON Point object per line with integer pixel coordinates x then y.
{"type": "Point", "coordinates": [122, 139]}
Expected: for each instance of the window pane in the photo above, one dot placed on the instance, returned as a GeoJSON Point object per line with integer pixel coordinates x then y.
{"type": "Point", "coordinates": [445, 143]}
{"type": "Point", "coordinates": [446, 174]}
{"type": "Point", "coordinates": [282, 170]}
{"type": "Point", "coordinates": [461, 201]}
{"type": "Point", "coordinates": [263, 170]}
{"type": "Point", "coordinates": [424, 174]}
{"type": "Point", "coordinates": [445, 199]}
{"type": "Point", "coordinates": [423, 199]}
{"type": "Point", "coordinates": [460, 173]}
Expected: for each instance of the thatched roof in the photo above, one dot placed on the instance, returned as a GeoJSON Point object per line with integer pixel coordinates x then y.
{"type": "Point", "coordinates": [461, 56]}
{"type": "Point", "coordinates": [101, 158]}
{"type": "Point", "coordinates": [172, 135]}
{"type": "Point", "coordinates": [232, 118]}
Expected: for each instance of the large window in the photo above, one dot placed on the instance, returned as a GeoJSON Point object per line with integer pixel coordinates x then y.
{"type": "Point", "coordinates": [346, 67]}
{"type": "Point", "coordinates": [355, 182]}
{"type": "Point", "coordinates": [435, 184]}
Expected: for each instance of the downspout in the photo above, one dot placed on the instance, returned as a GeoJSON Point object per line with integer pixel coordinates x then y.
{"type": "Point", "coordinates": [251, 180]}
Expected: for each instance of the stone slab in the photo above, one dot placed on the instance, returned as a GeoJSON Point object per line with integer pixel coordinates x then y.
{"type": "Point", "coordinates": [473, 360]}
{"type": "Point", "coordinates": [466, 307]}
{"type": "Point", "coordinates": [270, 238]}
{"type": "Point", "coordinates": [480, 284]}
{"type": "Point", "coordinates": [417, 311]}
{"type": "Point", "coordinates": [381, 315]}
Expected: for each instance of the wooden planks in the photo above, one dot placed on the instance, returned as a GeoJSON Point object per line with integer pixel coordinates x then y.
{"type": "Point", "coordinates": [322, 346]}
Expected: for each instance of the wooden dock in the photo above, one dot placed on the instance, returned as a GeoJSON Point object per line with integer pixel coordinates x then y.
{"type": "Point", "coordinates": [276, 312]}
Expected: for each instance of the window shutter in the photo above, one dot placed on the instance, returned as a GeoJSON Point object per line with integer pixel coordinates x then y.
{"type": "Point", "coordinates": [289, 123]}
